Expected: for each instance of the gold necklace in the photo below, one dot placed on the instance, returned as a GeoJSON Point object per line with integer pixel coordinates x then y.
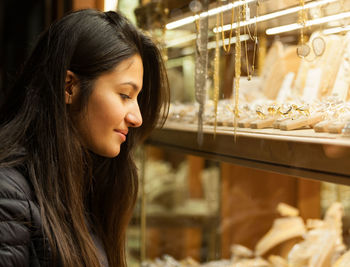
{"type": "Point", "coordinates": [245, 18]}
{"type": "Point", "coordinates": [165, 14]}
{"type": "Point", "coordinates": [318, 43]}
{"type": "Point", "coordinates": [253, 37]}
{"type": "Point", "coordinates": [303, 50]}
{"type": "Point", "coordinates": [216, 75]}
{"type": "Point", "coordinates": [228, 47]}
{"type": "Point", "coordinates": [197, 26]}
{"type": "Point", "coordinates": [237, 70]}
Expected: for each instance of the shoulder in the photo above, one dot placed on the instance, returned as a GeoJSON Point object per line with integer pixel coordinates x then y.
{"type": "Point", "coordinates": [22, 241]}
{"type": "Point", "coordinates": [17, 201]}
{"type": "Point", "coordinates": [14, 185]}
{"type": "Point", "coordinates": [16, 213]}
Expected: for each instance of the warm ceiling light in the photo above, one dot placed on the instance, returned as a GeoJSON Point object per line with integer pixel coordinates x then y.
{"type": "Point", "coordinates": [211, 45]}
{"type": "Point", "coordinates": [243, 38]}
{"type": "Point", "coordinates": [110, 5]}
{"type": "Point", "coordinates": [337, 30]}
{"type": "Point", "coordinates": [210, 12]}
{"type": "Point", "coordinates": [180, 40]}
{"type": "Point", "coordinates": [274, 15]}
{"type": "Point", "coordinates": [296, 26]}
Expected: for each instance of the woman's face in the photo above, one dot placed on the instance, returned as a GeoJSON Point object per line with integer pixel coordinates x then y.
{"type": "Point", "coordinates": [112, 108]}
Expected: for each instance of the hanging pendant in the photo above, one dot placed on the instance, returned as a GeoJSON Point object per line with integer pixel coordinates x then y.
{"type": "Point", "coordinates": [319, 46]}
{"type": "Point", "coordinates": [238, 53]}
{"type": "Point", "coordinates": [201, 64]}
{"type": "Point", "coordinates": [216, 76]}
{"type": "Point", "coordinates": [303, 50]}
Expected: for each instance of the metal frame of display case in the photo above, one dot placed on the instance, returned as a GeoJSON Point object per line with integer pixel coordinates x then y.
{"type": "Point", "coordinates": [300, 153]}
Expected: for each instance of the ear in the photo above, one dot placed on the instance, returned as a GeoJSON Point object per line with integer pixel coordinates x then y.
{"type": "Point", "coordinates": [71, 87]}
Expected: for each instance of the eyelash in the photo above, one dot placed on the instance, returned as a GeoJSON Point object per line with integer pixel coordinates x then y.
{"type": "Point", "coordinates": [124, 96]}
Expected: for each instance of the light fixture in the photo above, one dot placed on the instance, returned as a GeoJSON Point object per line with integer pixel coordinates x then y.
{"type": "Point", "coordinates": [211, 45]}
{"type": "Point", "coordinates": [210, 12]}
{"type": "Point", "coordinates": [180, 40]}
{"type": "Point", "coordinates": [274, 15]}
{"type": "Point", "coordinates": [110, 5]}
{"type": "Point", "coordinates": [243, 38]}
{"type": "Point", "coordinates": [337, 30]}
{"type": "Point", "coordinates": [296, 26]}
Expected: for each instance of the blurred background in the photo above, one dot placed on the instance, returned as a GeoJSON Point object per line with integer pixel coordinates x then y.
{"type": "Point", "coordinates": [192, 206]}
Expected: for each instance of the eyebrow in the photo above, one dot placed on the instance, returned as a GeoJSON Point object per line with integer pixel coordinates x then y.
{"type": "Point", "coordinates": [133, 85]}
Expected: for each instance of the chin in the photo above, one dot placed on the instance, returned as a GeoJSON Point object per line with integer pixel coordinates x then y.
{"type": "Point", "coordinates": [112, 154]}
{"type": "Point", "coordinates": [108, 153]}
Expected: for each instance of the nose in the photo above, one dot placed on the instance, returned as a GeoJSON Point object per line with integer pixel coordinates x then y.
{"type": "Point", "coordinates": [134, 117]}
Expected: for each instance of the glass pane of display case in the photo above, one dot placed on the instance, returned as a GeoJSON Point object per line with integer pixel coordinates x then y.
{"type": "Point", "coordinates": [196, 212]}
{"type": "Point", "coordinates": [179, 201]}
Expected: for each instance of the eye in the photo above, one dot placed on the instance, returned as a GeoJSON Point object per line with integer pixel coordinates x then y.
{"type": "Point", "coordinates": [124, 96]}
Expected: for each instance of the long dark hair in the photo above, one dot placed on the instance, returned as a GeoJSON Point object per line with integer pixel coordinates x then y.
{"type": "Point", "coordinates": [78, 191]}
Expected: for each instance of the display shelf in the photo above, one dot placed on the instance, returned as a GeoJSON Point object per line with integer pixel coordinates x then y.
{"type": "Point", "coordinates": [176, 220]}
{"type": "Point", "coordinates": [301, 153]}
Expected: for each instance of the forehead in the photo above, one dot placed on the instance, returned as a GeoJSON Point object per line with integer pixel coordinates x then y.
{"type": "Point", "coordinates": [129, 71]}
{"type": "Point", "coordinates": [134, 62]}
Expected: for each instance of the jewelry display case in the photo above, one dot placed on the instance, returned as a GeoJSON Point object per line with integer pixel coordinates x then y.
{"type": "Point", "coordinates": [194, 211]}
{"type": "Point", "coordinates": [252, 165]}
{"type": "Point", "coordinates": [285, 95]}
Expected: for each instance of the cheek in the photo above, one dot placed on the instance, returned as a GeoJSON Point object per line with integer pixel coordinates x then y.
{"type": "Point", "coordinates": [103, 115]}
{"type": "Point", "coordinates": [105, 111]}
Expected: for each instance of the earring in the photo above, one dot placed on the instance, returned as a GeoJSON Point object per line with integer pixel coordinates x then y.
{"type": "Point", "coordinates": [69, 99]}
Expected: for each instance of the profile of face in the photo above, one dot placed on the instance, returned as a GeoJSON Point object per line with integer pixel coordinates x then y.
{"type": "Point", "coordinates": [112, 108]}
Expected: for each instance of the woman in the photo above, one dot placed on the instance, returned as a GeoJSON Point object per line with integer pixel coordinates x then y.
{"type": "Point", "coordinates": [91, 89]}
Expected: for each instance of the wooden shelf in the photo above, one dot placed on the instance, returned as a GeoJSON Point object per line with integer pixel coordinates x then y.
{"type": "Point", "coordinates": [180, 220]}
{"type": "Point", "coordinates": [301, 153]}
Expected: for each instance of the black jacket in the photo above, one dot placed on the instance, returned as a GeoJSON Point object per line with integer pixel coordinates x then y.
{"type": "Point", "coordinates": [22, 241]}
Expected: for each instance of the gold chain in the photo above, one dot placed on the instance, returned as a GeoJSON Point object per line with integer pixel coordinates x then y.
{"type": "Point", "coordinates": [227, 48]}
{"type": "Point", "coordinates": [197, 23]}
{"type": "Point", "coordinates": [237, 68]}
{"type": "Point", "coordinates": [302, 20]}
{"type": "Point", "coordinates": [244, 18]}
{"type": "Point", "coordinates": [197, 26]}
{"type": "Point", "coordinates": [216, 75]}
{"type": "Point", "coordinates": [254, 38]}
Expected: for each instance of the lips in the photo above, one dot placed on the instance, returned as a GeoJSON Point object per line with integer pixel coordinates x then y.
{"type": "Point", "coordinates": [122, 133]}
{"type": "Point", "coordinates": [125, 132]}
